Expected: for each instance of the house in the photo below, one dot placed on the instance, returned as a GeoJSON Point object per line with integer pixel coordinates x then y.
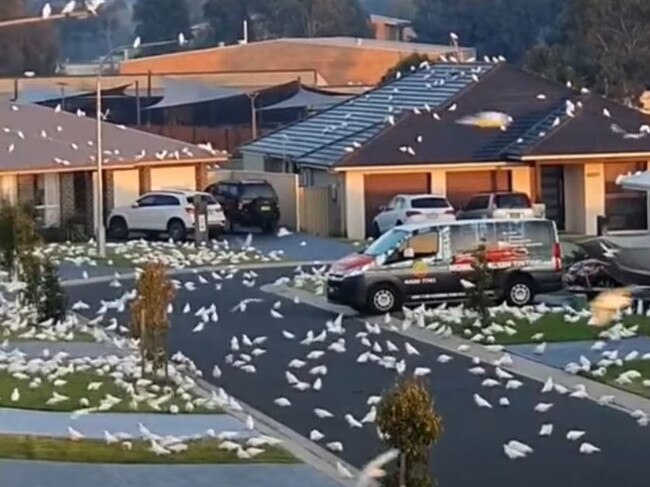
{"type": "Point", "coordinates": [392, 28]}
{"type": "Point", "coordinates": [562, 147]}
{"type": "Point", "coordinates": [49, 162]}
{"type": "Point", "coordinates": [339, 61]}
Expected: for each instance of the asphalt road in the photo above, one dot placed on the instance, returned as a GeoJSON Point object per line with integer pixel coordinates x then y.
{"type": "Point", "coordinates": [469, 453]}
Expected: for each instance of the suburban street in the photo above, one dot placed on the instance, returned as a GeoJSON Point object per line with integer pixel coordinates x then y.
{"type": "Point", "coordinates": [470, 451]}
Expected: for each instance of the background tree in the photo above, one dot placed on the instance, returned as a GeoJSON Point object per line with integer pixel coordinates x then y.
{"type": "Point", "coordinates": [495, 27]}
{"type": "Point", "coordinates": [82, 40]}
{"type": "Point", "coordinates": [481, 280]}
{"type": "Point", "coordinates": [408, 421]}
{"type": "Point", "coordinates": [285, 18]}
{"type": "Point", "coordinates": [226, 19]}
{"type": "Point", "coordinates": [161, 20]}
{"type": "Point", "coordinates": [149, 318]}
{"type": "Point", "coordinates": [27, 48]}
{"type": "Point", "coordinates": [601, 44]}
{"type": "Point", "coordinates": [411, 62]}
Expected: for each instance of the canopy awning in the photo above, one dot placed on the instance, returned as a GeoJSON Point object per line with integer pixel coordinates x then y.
{"type": "Point", "coordinates": [43, 95]}
{"type": "Point", "coordinates": [180, 93]}
{"type": "Point", "coordinates": [639, 181]}
{"type": "Point", "coordinates": [307, 99]}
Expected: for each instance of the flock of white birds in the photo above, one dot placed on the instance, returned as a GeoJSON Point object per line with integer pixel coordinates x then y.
{"type": "Point", "coordinates": [305, 372]}
{"type": "Point", "coordinates": [173, 255]}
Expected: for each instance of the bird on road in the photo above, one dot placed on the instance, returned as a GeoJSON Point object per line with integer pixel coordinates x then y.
{"type": "Point", "coordinates": [482, 402]}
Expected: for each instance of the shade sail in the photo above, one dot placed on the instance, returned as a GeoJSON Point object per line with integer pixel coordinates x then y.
{"type": "Point", "coordinates": [180, 93]}
{"type": "Point", "coordinates": [307, 99]}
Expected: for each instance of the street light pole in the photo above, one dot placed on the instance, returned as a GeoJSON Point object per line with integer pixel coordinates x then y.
{"type": "Point", "coordinates": [100, 230]}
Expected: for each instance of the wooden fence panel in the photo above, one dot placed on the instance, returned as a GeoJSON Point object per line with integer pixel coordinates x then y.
{"type": "Point", "coordinates": [315, 210]}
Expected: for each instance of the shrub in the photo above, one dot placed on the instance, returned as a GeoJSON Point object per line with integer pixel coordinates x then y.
{"type": "Point", "coordinates": [31, 273]}
{"type": "Point", "coordinates": [408, 421]}
{"type": "Point", "coordinates": [52, 304]}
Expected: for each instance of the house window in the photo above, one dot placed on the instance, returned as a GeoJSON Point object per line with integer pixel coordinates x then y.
{"type": "Point", "coordinates": [625, 209]}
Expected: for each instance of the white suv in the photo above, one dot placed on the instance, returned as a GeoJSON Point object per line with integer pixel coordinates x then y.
{"type": "Point", "coordinates": [167, 211]}
{"type": "Point", "coordinates": [412, 208]}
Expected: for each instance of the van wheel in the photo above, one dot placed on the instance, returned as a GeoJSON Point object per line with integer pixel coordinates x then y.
{"type": "Point", "coordinates": [176, 230]}
{"type": "Point", "coordinates": [520, 290]}
{"type": "Point", "coordinates": [383, 298]}
{"type": "Point", "coordinates": [399, 223]}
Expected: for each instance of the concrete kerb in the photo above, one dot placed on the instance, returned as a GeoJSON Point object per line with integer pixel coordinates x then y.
{"type": "Point", "coordinates": [624, 401]}
{"type": "Point", "coordinates": [299, 446]}
{"type": "Point", "coordinates": [198, 270]}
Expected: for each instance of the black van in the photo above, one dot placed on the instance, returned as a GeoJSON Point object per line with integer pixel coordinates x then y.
{"type": "Point", "coordinates": [428, 262]}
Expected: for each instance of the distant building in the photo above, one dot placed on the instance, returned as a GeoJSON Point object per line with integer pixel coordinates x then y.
{"type": "Point", "coordinates": [392, 28]}
{"type": "Point", "coordinates": [339, 61]}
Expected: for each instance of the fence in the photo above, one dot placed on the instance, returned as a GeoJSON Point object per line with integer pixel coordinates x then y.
{"type": "Point", "coordinates": [315, 210]}
{"type": "Point", "coordinates": [225, 138]}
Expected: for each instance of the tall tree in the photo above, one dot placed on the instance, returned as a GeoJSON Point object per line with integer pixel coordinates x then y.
{"type": "Point", "coordinates": [27, 48]}
{"type": "Point", "coordinates": [226, 19]}
{"type": "Point", "coordinates": [161, 20]}
{"type": "Point", "coordinates": [600, 44]}
{"type": "Point", "coordinates": [494, 27]}
{"type": "Point", "coordinates": [286, 18]}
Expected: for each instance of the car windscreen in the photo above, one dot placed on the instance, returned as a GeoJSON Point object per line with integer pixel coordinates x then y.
{"type": "Point", "coordinates": [205, 198]}
{"type": "Point", "coordinates": [429, 203]}
{"type": "Point", "coordinates": [387, 243]}
{"type": "Point", "coordinates": [514, 201]}
{"type": "Point", "coordinates": [254, 191]}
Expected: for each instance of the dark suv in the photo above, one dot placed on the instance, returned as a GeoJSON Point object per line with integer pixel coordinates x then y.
{"type": "Point", "coordinates": [249, 203]}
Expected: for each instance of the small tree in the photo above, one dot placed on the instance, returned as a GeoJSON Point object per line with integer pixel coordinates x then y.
{"type": "Point", "coordinates": [408, 421]}
{"type": "Point", "coordinates": [53, 301]}
{"type": "Point", "coordinates": [149, 319]}
{"type": "Point", "coordinates": [8, 244]}
{"type": "Point", "coordinates": [404, 66]}
{"type": "Point", "coordinates": [481, 278]}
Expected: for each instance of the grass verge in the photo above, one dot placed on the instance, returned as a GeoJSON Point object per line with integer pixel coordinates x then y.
{"type": "Point", "coordinates": [636, 385]}
{"type": "Point", "coordinates": [76, 388]}
{"type": "Point", "coordinates": [552, 326]}
{"type": "Point", "coordinates": [96, 451]}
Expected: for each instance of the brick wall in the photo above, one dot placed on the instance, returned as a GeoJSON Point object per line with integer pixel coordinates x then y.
{"type": "Point", "coordinates": [26, 189]}
{"type": "Point", "coordinates": [109, 192]}
{"type": "Point", "coordinates": [90, 203]}
{"type": "Point", "coordinates": [336, 64]}
{"type": "Point", "coordinates": [66, 194]}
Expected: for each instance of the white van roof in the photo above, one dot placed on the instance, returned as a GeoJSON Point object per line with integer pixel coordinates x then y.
{"type": "Point", "coordinates": [411, 227]}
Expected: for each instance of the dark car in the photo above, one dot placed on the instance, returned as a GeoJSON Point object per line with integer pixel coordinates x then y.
{"type": "Point", "coordinates": [433, 262]}
{"type": "Point", "coordinates": [248, 203]}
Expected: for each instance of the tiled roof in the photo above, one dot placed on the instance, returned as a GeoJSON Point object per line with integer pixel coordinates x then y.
{"type": "Point", "coordinates": [33, 138]}
{"type": "Point", "coordinates": [322, 139]}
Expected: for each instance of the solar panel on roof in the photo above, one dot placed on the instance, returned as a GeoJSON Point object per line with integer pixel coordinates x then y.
{"type": "Point", "coordinates": [322, 139]}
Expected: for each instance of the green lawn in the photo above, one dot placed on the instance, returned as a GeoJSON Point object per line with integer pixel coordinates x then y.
{"type": "Point", "coordinates": [636, 387]}
{"type": "Point", "coordinates": [95, 451]}
{"type": "Point", "coordinates": [75, 389]}
{"type": "Point", "coordinates": [553, 326]}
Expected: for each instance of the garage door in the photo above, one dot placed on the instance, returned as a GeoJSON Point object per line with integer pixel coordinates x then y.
{"type": "Point", "coordinates": [461, 186]}
{"type": "Point", "coordinates": [380, 188]}
{"type": "Point", "coordinates": [179, 177]}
